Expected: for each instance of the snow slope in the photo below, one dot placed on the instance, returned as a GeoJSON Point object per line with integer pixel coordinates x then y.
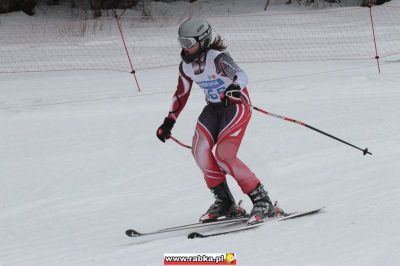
{"type": "Point", "coordinates": [80, 163]}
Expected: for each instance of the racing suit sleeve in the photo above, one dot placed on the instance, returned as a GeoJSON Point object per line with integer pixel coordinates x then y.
{"type": "Point", "coordinates": [225, 66]}
{"type": "Point", "coordinates": [181, 94]}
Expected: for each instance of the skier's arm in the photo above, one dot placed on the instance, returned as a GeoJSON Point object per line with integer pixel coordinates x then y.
{"type": "Point", "coordinates": [227, 67]}
{"type": "Point", "coordinates": [181, 94]}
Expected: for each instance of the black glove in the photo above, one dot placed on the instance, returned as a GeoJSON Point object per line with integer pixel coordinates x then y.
{"type": "Point", "coordinates": [234, 91]}
{"type": "Point", "coordinates": [164, 131]}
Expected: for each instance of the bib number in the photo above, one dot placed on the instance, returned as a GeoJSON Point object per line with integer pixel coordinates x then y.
{"type": "Point", "coordinates": [214, 94]}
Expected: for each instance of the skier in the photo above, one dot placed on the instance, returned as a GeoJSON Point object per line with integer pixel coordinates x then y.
{"type": "Point", "coordinates": [222, 123]}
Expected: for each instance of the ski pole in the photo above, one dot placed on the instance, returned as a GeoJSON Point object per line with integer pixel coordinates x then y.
{"type": "Point", "coordinates": [365, 151]}
{"type": "Point", "coordinates": [180, 143]}
{"type": "Point", "coordinates": [230, 94]}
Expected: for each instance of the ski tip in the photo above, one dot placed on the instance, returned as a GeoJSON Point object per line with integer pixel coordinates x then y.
{"type": "Point", "coordinates": [195, 235]}
{"type": "Point", "coordinates": [315, 210]}
{"type": "Point", "coordinates": [132, 233]}
{"type": "Point", "coordinates": [322, 209]}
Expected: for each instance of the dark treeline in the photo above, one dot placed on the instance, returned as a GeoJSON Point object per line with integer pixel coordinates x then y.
{"type": "Point", "coordinates": [28, 6]}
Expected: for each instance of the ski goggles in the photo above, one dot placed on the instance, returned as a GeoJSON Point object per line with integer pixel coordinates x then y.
{"type": "Point", "coordinates": [187, 42]}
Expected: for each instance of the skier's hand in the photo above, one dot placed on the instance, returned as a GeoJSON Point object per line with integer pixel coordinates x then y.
{"type": "Point", "coordinates": [232, 94]}
{"type": "Point", "coordinates": [164, 131]}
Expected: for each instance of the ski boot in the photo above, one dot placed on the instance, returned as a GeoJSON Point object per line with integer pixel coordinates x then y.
{"type": "Point", "coordinates": [263, 208]}
{"type": "Point", "coordinates": [224, 206]}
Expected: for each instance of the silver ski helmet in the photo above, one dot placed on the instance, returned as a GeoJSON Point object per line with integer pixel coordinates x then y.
{"type": "Point", "coordinates": [192, 31]}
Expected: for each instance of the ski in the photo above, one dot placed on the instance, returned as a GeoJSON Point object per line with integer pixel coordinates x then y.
{"type": "Point", "coordinates": [247, 227]}
{"type": "Point", "coordinates": [198, 225]}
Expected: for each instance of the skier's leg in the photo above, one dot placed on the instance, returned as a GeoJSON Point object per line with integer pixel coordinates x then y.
{"type": "Point", "coordinates": [202, 152]}
{"type": "Point", "coordinates": [227, 147]}
{"type": "Point", "coordinates": [229, 140]}
{"type": "Point", "coordinates": [203, 142]}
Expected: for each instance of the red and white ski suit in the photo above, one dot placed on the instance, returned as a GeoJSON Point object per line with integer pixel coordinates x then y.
{"type": "Point", "coordinates": [219, 126]}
